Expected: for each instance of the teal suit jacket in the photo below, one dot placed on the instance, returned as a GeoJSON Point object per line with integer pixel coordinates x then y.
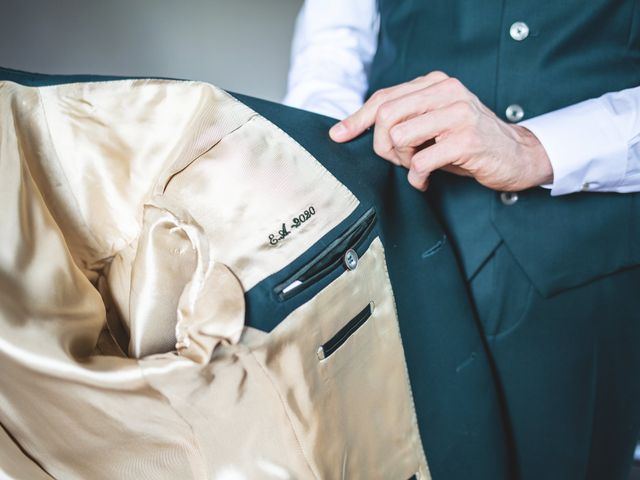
{"type": "Point", "coordinates": [554, 279]}
{"type": "Point", "coordinates": [458, 405]}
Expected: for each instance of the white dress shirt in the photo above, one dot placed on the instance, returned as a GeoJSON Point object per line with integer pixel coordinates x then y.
{"type": "Point", "coordinates": [593, 145]}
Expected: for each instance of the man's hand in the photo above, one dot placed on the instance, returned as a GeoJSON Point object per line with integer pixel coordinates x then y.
{"type": "Point", "coordinates": [434, 122]}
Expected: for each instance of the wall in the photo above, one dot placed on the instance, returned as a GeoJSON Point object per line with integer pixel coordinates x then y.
{"type": "Point", "coordinates": [240, 45]}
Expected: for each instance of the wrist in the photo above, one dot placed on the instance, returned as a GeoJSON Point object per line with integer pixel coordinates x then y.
{"type": "Point", "coordinates": [539, 168]}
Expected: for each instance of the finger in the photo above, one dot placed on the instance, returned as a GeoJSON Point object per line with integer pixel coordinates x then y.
{"type": "Point", "coordinates": [413, 134]}
{"type": "Point", "coordinates": [437, 156]}
{"type": "Point", "coordinates": [417, 130]}
{"type": "Point", "coordinates": [432, 97]}
{"type": "Point", "coordinates": [435, 95]}
{"type": "Point", "coordinates": [405, 154]}
{"type": "Point", "coordinates": [356, 123]}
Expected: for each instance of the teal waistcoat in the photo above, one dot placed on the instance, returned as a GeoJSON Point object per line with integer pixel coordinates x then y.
{"type": "Point", "coordinates": [574, 51]}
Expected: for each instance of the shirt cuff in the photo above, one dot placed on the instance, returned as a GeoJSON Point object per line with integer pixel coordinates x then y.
{"type": "Point", "coordinates": [586, 151]}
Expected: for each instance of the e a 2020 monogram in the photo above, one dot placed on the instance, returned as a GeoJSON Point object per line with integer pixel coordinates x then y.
{"type": "Point", "coordinates": [296, 222]}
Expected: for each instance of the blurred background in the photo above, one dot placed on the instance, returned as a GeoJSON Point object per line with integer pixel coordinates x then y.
{"type": "Point", "coordinates": [239, 45]}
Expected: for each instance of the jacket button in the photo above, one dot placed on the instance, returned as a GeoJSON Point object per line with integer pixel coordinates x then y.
{"type": "Point", "coordinates": [519, 31]}
{"type": "Point", "coordinates": [508, 198]}
{"type": "Point", "coordinates": [351, 259]}
{"type": "Point", "coordinates": [514, 113]}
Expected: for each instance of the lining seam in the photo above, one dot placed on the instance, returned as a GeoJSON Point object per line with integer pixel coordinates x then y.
{"type": "Point", "coordinates": [215, 144]}
{"type": "Point", "coordinates": [64, 173]}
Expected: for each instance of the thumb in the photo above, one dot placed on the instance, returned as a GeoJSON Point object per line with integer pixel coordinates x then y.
{"type": "Point", "coordinates": [354, 124]}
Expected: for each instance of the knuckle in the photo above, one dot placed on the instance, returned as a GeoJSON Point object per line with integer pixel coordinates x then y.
{"type": "Point", "coordinates": [465, 114]}
{"type": "Point", "coordinates": [380, 95]}
{"type": "Point", "coordinates": [398, 135]}
{"type": "Point", "coordinates": [454, 84]}
{"type": "Point", "coordinates": [418, 165]}
{"type": "Point", "coordinates": [384, 113]}
{"type": "Point", "coordinates": [380, 147]}
{"type": "Point", "coordinates": [436, 76]}
{"type": "Point", "coordinates": [464, 109]}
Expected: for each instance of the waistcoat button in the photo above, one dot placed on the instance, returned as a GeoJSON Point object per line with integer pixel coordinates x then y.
{"type": "Point", "coordinates": [519, 31]}
{"type": "Point", "coordinates": [514, 113]}
{"type": "Point", "coordinates": [508, 198]}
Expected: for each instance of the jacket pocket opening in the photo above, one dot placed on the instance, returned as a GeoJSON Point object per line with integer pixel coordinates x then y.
{"type": "Point", "coordinates": [327, 260]}
{"type": "Point", "coordinates": [335, 342]}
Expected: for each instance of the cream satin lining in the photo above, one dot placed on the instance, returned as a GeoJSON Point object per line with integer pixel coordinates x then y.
{"type": "Point", "coordinates": [152, 202]}
{"type": "Point", "coordinates": [112, 156]}
{"type": "Point", "coordinates": [14, 463]}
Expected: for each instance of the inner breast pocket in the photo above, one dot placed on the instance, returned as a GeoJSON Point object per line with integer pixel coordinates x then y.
{"type": "Point", "coordinates": [341, 251]}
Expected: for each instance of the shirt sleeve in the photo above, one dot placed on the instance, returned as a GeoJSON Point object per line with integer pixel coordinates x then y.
{"type": "Point", "coordinates": [333, 46]}
{"type": "Point", "coordinates": [593, 145]}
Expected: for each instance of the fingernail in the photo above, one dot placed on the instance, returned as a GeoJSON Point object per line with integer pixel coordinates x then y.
{"type": "Point", "coordinates": [338, 131]}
